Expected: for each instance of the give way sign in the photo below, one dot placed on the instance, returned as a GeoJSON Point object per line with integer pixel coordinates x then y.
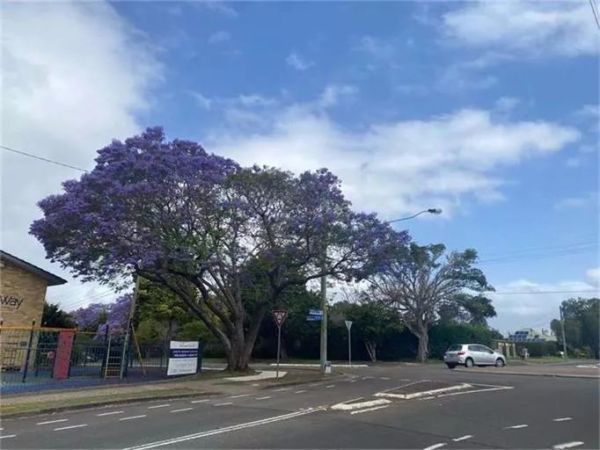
{"type": "Point", "coordinates": [279, 315]}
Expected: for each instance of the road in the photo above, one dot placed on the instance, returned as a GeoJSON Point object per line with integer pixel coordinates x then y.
{"type": "Point", "coordinates": [496, 411]}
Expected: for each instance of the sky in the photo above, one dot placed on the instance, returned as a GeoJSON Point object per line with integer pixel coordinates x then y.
{"type": "Point", "coordinates": [486, 110]}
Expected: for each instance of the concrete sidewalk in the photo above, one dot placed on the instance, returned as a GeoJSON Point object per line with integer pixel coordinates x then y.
{"type": "Point", "coordinates": [542, 370]}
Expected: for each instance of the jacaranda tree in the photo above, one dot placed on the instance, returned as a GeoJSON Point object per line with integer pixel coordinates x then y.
{"type": "Point", "coordinates": [206, 229]}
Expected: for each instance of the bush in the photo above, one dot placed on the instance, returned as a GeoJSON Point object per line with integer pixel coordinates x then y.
{"type": "Point", "coordinates": [537, 349]}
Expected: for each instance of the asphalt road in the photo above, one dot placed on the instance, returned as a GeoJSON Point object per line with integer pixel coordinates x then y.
{"type": "Point", "coordinates": [496, 411]}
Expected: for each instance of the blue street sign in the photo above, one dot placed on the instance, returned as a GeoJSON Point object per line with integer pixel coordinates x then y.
{"type": "Point", "coordinates": [313, 318]}
{"type": "Point", "coordinates": [315, 312]}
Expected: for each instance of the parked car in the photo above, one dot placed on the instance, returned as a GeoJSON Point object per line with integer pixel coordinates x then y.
{"type": "Point", "coordinates": [471, 355]}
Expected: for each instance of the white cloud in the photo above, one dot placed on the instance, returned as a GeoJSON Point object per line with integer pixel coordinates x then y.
{"type": "Point", "coordinates": [333, 93]}
{"type": "Point", "coordinates": [74, 75]}
{"type": "Point", "coordinates": [593, 275]}
{"type": "Point", "coordinates": [524, 27]}
{"type": "Point", "coordinates": [218, 6]}
{"type": "Point", "coordinates": [203, 101]}
{"type": "Point", "coordinates": [298, 62]}
{"type": "Point", "coordinates": [524, 303]}
{"type": "Point", "coordinates": [218, 37]}
{"type": "Point", "coordinates": [589, 200]}
{"type": "Point", "coordinates": [397, 167]}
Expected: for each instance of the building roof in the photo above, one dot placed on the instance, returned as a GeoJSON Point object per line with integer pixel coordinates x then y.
{"type": "Point", "coordinates": [52, 279]}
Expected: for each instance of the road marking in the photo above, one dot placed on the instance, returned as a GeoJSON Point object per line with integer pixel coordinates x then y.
{"type": "Point", "coordinates": [281, 389]}
{"type": "Point", "coordinates": [463, 438]}
{"type": "Point", "coordinates": [133, 417]}
{"type": "Point", "coordinates": [200, 401]}
{"type": "Point", "coordinates": [263, 398]}
{"type": "Point", "coordinates": [568, 445]}
{"type": "Point", "coordinates": [223, 404]}
{"type": "Point", "coordinates": [109, 413]}
{"type": "Point", "coordinates": [368, 378]}
{"type": "Point", "coordinates": [52, 421]}
{"type": "Point", "coordinates": [502, 388]}
{"type": "Point", "coordinates": [180, 410]}
{"type": "Point", "coordinates": [71, 427]}
{"type": "Point", "coordinates": [360, 411]}
{"type": "Point", "coordinates": [432, 447]}
{"type": "Point", "coordinates": [330, 386]}
{"type": "Point", "coordinates": [239, 396]}
{"type": "Point", "coordinates": [384, 378]}
{"type": "Point", "coordinates": [427, 398]}
{"type": "Point", "coordinates": [346, 406]}
{"type": "Point", "coordinates": [561, 419]}
{"type": "Point", "coordinates": [159, 406]}
{"type": "Point", "coordinates": [299, 392]}
{"type": "Point", "coordinates": [6, 436]}
{"type": "Point", "coordinates": [241, 426]}
{"type": "Point", "coordinates": [516, 427]}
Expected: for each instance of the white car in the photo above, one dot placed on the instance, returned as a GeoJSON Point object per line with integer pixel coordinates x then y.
{"type": "Point", "coordinates": [471, 355]}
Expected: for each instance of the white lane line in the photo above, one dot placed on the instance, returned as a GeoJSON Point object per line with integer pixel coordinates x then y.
{"type": "Point", "coordinates": [281, 390]}
{"type": "Point", "coordinates": [6, 436]}
{"type": "Point", "coordinates": [52, 421]}
{"type": "Point", "coordinates": [223, 404]}
{"type": "Point", "coordinates": [428, 398]}
{"type": "Point", "coordinates": [384, 378]}
{"type": "Point", "coordinates": [110, 413]}
{"type": "Point", "coordinates": [360, 411]}
{"type": "Point", "coordinates": [241, 426]}
{"type": "Point", "coordinates": [568, 445]}
{"type": "Point", "coordinates": [300, 391]}
{"type": "Point", "coordinates": [434, 446]}
{"type": "Point", "coordinates": [180, 410]}
{"type": "Point", "coordinates": [330, 386]}
{"type": "Point", "coordinates": [516, 427]}
{"type": "Point", "coordinates": [346, 406]}
{"type": "Point", "coordinates": [159, 406]}
{"type": "Point", "coordinates": [477, 390]}
{"type": "Point", "coordinates": [263, 398]}
{"type": "Point", "coordinates": [561, 419]}
{"type": "Point", "coordinates": [133, 417]}
{"type": "Point", "coordinates": [463, 438]}
{"type": "Point", "coordinates": [239, 396]}
{"type": "Point", "coordinates": [200, 401]}
{"type": "Point", "coordinates": [71, 427]}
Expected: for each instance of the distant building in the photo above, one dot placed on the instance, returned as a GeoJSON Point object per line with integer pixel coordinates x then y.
{"type": "Point", "coordinates": [531, 335]}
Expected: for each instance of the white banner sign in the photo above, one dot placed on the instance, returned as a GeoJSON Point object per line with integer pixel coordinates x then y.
{"type": "Point", "coordinates": [183, 358]}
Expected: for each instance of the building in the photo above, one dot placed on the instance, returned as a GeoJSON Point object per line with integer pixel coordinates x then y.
{"type": "Point", "coordinates": [531, 335]}
{"type": "Point", "coordinates": [23, 291]}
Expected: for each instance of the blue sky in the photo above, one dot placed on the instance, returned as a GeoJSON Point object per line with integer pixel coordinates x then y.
{"type": "Point", "coordinates": [487, 110]}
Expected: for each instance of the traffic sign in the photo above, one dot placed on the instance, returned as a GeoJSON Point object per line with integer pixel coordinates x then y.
{"type": "Point", "coordinates": [348, 324]}
{"type": "Point", "coordinates": [279, 315]}
{"type": "Point", "coordinates": [315, 312]}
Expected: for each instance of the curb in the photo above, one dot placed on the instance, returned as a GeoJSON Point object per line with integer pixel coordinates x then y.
{"type": "Point", "coordinates": [533, 374]}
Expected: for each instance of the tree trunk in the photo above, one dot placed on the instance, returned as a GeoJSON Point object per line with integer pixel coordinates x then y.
{"type": "Point", "coordinates": [423, 336]}
{"type": "Point", "coordinates": [371, 350]}
{"type": "Point", "coordinates": [237, 358]}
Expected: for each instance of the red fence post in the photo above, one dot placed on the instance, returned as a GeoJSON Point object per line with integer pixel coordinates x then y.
{"type": "Point", "coordinates": [62, 358]}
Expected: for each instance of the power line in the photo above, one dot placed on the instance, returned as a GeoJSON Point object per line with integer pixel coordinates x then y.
{"type": "Point", "coordinates": [51, 161]}
{"type": "Point", "coordinates": [543, 292]}
{"type": "Point", "coordinates": [596, 18]}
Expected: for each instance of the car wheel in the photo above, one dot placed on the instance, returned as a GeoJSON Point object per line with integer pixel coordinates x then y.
{"type": "Point", "coordinates": [469, 362]}
{"type": "Point", "coordinates": [451, 366]}
{"type": "Point", "coordinates": [499, 362]}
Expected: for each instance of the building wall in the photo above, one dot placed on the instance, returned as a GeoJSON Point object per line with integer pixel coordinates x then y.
{"type": "Point", "coordinates": [22, 296]}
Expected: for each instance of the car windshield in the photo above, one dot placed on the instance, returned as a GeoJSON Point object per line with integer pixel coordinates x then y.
{"type": "Point", "coordinates": [454, 348]}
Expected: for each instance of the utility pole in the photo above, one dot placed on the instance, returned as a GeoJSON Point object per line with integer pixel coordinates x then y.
{"type": "Point", "coordinates": [564, 336]}
{"type": "Point", "coordinates": [323, 321]}
{"type": "Point", "coordinates": [125, 352]}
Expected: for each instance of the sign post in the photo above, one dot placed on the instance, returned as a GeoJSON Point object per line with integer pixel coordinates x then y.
{"type": "Point", "coordinates": [348, 326]}
{"type": "Point", "coordinates": [279, 315]}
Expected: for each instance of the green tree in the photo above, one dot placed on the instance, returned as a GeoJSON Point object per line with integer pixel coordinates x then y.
{"type": "Point", "coordinates": [582, 327]}
{"type": "Point", "coordinates": [419, 282]}
{"type": "Point", "coordinates": [54, 316]}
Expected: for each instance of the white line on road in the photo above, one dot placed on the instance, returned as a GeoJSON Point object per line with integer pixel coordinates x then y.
{"type": "Point", "coordinates": [241, 426]}
{"type": "Point", "coordinates": [281, 390]}
{"type": "Point", "coordinates": [463, 438]}
{"type": "Point", "coordinates": [568, 445]}
{"type": "Point", "coordinates": [561, 419]}
{"type": "Point", "coordinates": [384, 378]}
{"type": "Point", "coordinates": [516, 427]}
{"type": "Point", "coordinates": [159, 406]}
{"type": "Point", "coordinates": [330, 386]}
{"type": "Point", "coordinates": [300, 391]}
{"type": "Point", "coordinates": [110, 413]}
{"type": "Point", "coordinates": [180, 410]}
{"type": "Point", "coordinates": [346, 406]}
{"type": "Point", "coordinates": [52, 421]}
{"type": "Point", "coordinates": [200, 401]}
{"type": "Point", "coordinates": [477, 390]}
{"type": "Point", "coordinates": [6, 436]}
{"type": "Point", "coordinates": [263, 398]}
{"type": "Point", "coordinates": [360, 411]}
{"type": "Point", "coordinates": [223, 404]}
{"type": "Point", "coordinates": [433, 447]}
{"type": "Point", "coordinates": [428, 398]}
{"type": "Point", "coordinates": [71, 427]}
{"type": "Point", "coordinates": [133, 417]}
{"type": "Point", "coordinates": [239, 396]}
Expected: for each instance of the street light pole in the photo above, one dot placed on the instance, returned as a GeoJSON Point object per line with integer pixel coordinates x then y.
{"type": "Point", "coordinates": [323, 346]}
{"type": "Point", "coordinates": [564, 337]}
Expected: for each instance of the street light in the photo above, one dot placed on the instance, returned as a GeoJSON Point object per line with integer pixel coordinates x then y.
{"type": "Point", "coordinates": [323, 341]}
